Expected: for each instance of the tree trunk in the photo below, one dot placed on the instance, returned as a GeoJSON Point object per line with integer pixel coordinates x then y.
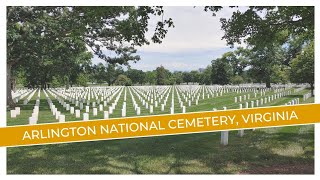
{"type": "Point", "coordinates": [43, 84]}
{"type": "Point", "coordinates": [268, 81]}
{"type": "Point", "coordinates": [312, 88]}
{"type": "Point", "coordinates": [10, 102]}
{"type": "Point", "coordinates": [67, 82]}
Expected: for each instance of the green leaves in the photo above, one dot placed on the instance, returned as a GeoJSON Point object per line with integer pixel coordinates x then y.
{"type": "Point", "coordinates": [221, 71]}
{"type": "Point", "coordinates": [123, 80]}
{"type": "Point", "coordinates": [162, 75]}
{"type": "Point", "coordinates": [53, 41]}
{"type": "Point", "coordinates": [259, 26]}
{"type": "Point", "coordinates": [302, 67]}
{"type": "Point", "coordinates": [274, 35]}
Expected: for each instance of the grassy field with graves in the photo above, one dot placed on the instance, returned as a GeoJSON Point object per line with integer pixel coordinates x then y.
{"type": "Point", "coordinates": [268, 150]}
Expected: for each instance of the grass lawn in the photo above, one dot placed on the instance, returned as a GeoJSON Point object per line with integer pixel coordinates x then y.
{"type": "Point", "coordinates": [283, 150]}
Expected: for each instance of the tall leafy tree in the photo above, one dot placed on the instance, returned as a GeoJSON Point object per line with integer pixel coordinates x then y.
{"type": "Point", "coordinates": [186, 77]}
{"type": "Point", "coordinates": [82, 80]}
{"type": "Point", "coordinates": [280, 74]}
{"type": "Point", "coordinates": [302, 67]}
{"type": "Point", "coordinates": [261, 25]}
{"type": "Point", "coordinates": [240, 61]}
{"type": "Point", "coordinates": [99, 73]}
{"type": "Point", "coordinates": [195, 76]}
{"type": "Point", "coordinates": [262, 62]}
{"type": "Point", "coordinates": [137, 76]}
{"type": "Point", "coordinates": [151, 77]}
{"type": "Point", "coordinates": [294, 47]}
{"type": "Point", "coordinates": [236, 80]}
{"type": "Point", "coordinates": [178, 77]}
{"type": "Point", "coordinates": [123, 80]}
{"type": "Point", "coordinates": [263, 28]}
{"type": "Point", "coordinates": [162, 75]}
{"type": "Point", "coordinates": [31, 32]}
{"type": "Point", "coordinates": [221, 71]}
{"type": "Point", "coordinates": [111, 74]}
{"type": "Point", "coordinates": [205, 76]}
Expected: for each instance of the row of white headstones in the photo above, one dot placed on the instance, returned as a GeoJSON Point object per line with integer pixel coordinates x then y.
{"type": "Point", "coordinates": [307, 96]}
{"type": "Point", "coordinates": [16, 96]}
{"type": "Point", "coordinates": [35, 112]}
{"type": "Point", "coordinates": [62, 99]}
{"type": "Point", "coordinates": [20, 95]}
{"type": "Point", "coordinates": [297, 100]}
{"type": "Point", "coordinates": [145, 99]}
{"type": "Point", "coordinates": [67, 106]}
{"type": "Point", "coordinates": [263, 98]}
{"type": "Point", "coordinates": [279, 94]}
{"type": "Point", "coordinates": [144, 95]}
{"type": "Point", "coordinates": [112, 107]}
{"type": "Point", "coordinates": [195, 92]}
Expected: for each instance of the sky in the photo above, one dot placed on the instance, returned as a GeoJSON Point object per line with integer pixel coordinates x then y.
{"type": "Point", "coordinates": [193, 43]}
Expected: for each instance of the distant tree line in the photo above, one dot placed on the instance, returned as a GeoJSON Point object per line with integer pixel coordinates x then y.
{"type": "Point", "coordinates": [243, 65]}
{"type": "Point", "coordinates": [109, 74]}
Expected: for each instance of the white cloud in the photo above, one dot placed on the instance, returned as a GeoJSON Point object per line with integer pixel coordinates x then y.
{"type": "Point", "coordinates": [194, 30]}
{"type": "Point", "coordinates": [172, 66]}
{"type": "Point", "coordinates": [191, 44]}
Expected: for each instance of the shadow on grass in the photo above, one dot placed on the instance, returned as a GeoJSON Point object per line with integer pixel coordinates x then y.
{"type": "Point", "coordinates": [43, 105]}
{"type": "Point", "coordinates": [294, 96]}
{"type": "Point", "coordinates": [281, 151]}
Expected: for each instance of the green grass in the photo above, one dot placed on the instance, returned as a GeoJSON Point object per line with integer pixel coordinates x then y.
{"type": "Point", "coordinates": [182, 154]}
{"type": "Point", "coordinates": [287, 150]}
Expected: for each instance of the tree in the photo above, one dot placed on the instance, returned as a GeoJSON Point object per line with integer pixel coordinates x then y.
{"type": "Point", "coordinates": [186, 77]}
{"type": "Point", "coordinates": [264, 28]}
{"type": "Point", "coordinates": [240, 60]}
{"type": "Point", "coordinates": [99, 73]}
{"type": "Point", "coordinates": [111, 74]}
{"type": "Point", "coordinates": [178, 77]}
{"type": "Point", "coordinates": [151, 77]}
{"type": "Point", "coordinates": [294, 46]}
{"type": "Point", "coordinates": [221, 71]}
{"type": "Point", "coordinates": [237, 80]}
{"type": "Point", "coordinates": [123, 80]}
{"type": "Point", "coordinates": [246, 76]}
{"type": "Point", "coordinates": [302, 67]}
{"type": "Point", "coordinates": [21, 78]}
{"type": "Point", "coordinates": [205, 76]}
{"type": "Point", "coordinates": [162, 75]}
{"type": "Point", "coordinates": [231, 59]}
{"type": "Point", "coordinates": [195, 76]}
{"type": "Point", "coordinates": [258, 29]}
{"type": "Point", "coordinates": [32, 31]}
{"type": "Point", "coordinates": [82, 80]}
{"type": "Point", "coordinates": [81, 65]}
{"type": "Point", "coordinates": [137, 76]}
{"type": "Point", "coordinates": [280, 74]}
{"type": "Point", "coordinates": [56, 82]}
{"type": "Point", "coordinates": [263, 61]}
